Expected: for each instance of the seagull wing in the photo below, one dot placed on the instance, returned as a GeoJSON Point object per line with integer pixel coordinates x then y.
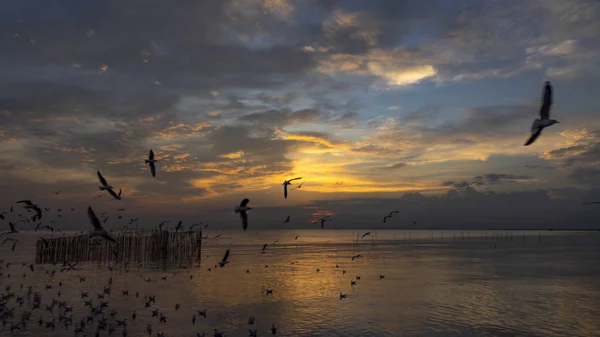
{"type": "Point", "coordinates": [151, 155]}
{"type": "Point", "coordinates": [38, 211]}
{"type": "Point", "coordinates": [295, 179]}
{"type": "Point", "coordinates": [114, 195]}
{"type": "Point", "coordinates": [102, 180]}
{"type": "Point", "coordinates": [152, 169]}
{"type": "Point", "coordinates": [534, 135]}
{"type": "Point", "coordinates": [109, 238]}
{"type": "Point", "coordinates": [244, 217]}
{"type": "Point", "coordinates": [28, 202]}
{"type": "Point", "coordinates": [225, 257]}
{"type": "Point", "coordinates": [94, 219]}
{"type": "Point", "coordinates": [285, 191]}
{"type": "Point", "coordinates": [244, 202]}
{"type": "Point", "coordinates": [546, 102]}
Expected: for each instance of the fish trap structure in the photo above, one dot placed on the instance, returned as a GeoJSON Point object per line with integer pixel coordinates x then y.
{"type": "Point", "coordinates": [140, 247]}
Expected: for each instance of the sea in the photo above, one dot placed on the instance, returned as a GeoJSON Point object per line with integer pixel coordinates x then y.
{"type": "Point", "coordinates": [408, 283]}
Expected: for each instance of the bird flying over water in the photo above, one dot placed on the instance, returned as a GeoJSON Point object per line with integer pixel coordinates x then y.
{"type": "Point", "coordinates": [98, 229]}
{"type": "Point", "coordinates": [107, 187]}
{"type": "Point", "coordinates": [288, 219]}
{"type": "Point", "coordinates": [544, 121]}
{"type": "Point", "coordinates": [30, 205]}
{"type": "Point", "coordinates": [285, 185]}
{"type": "Point", "coordinates": [150, 161]}
{"type": "Point", "coordinates": [363, 236]}
{"type": "Point", "coordinates": [242, 208]}
{"type": "Point", "coordinates": [322, 220]}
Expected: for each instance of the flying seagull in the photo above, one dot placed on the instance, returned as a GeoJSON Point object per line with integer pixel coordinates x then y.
{"type": "Point", "coordinates": [288, 219]}
{"type": "Point", "coordinates": [322, 220]}
{"type": "Point", "coordinates": [98, 229]}
{"type": "Point", "coordinates": [242, 210]}
{"type": "Point", "coordinates": [545, 121]}
{"type": "Point", "coordinates": [224, 261]}
{"type": "Point", "coordinates": [285, 185]}
{"type": "Point", "coordinates": [107, 187]}
{"type": "Point", "coordinates": [150, 161]}
{"type": "Point", "coordinates": [30, 205]}
{"type": "Point", "coordinates": [367, 233]}
{"type": "Point", "coordinates": [299, 186]}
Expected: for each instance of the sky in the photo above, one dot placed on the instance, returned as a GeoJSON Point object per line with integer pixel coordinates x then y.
{"type": "Point", "coordinates": [417, 106]}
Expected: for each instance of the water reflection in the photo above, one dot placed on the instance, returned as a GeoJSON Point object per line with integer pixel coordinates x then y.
{"type": "Point", "coordinates": [547, 284]}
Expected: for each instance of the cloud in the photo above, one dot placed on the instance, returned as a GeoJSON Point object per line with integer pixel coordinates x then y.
{"type": "Point", "coordinates": [487, 180]}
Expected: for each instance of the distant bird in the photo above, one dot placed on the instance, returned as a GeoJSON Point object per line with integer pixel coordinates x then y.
{"type": "Point", "coordinates": [297, 236]}
{"type": "Point", "coordinates": [264, 247]}
{"type": "Point", "coordinates": [385, 218]}
{"type": "Point", "coordinates": [288, 219]}
{"type": "Point", "coordinates": [12, 228]}
{"type": "Point", "coordinates": [285, 185]}
{"type": "Point", "coordinates": [393, 212]}
{"type": "Point", "coordinates": [356, 257]}
{"type": "Point", "coordinates": [544, 121]}
{"type": "Point", "coordinates": [107, 187]}
{"type": "Point", "coordinates": [224, 261]}
{"type": "Point", "coordinates": [98, 229]}
{"type": "Point", "coordinates": [363, 236]}
{"type": "Point", "coordinates": [342, 295]}
{"type": "Point", "coordinates": [322, 220]}
{"type": "Point", "coordinates": [150, 161]}
{"type": "Point", "coordinates": [57, 192]}
{"type": "Point", "coordinates": [30, 205]}
{"type": "Point", "coordinates": [242, 208]}
{"type": "Point", "coordinates": [381, 277]}
{"type": "Point", "coordinates": [299, 186]}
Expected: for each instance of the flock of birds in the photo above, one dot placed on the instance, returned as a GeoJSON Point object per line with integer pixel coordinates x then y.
{"type": "Point", "coordinates": [98, 313]}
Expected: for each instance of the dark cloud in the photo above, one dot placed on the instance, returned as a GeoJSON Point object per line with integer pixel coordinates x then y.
{"type": "Point", "coordinates": [486, 180]}
{"type": "Point", "coordinates": [277, 118]}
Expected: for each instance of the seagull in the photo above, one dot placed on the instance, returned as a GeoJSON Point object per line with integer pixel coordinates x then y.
{"type": "Point", "coordinates": [107, 187]}
{"type": "Point", "coordinates": [285, 185]}
{"type": "Point", "coordinates": [98, 229]}
{"type": "Point", "coordinates": [150, 161]}
{"type": "Point", "coordinates": [288, 219]}
{"type": "Point", "coordinates": [242, 210]}
{"type": "Point", "coordinates": [393, 212]}
{"type": "Point", "coordinates": [224, 261]}
{"type": "Point", "coordinates": [367, 233]}
{"type": "Point", "coordinates": [264, 247]}
{"type": "Point", "coordinates": [30, 205]}
{"type": "Point", "coordinates": [12, 228]}
{"type": "Point", "coordinates": [545, 121]}
{"type": "Point", "coordinates": [356, 257]}
{"type": "Point", "coordinates": [342, 295]}
{"type": "Point", "coordinates": [386, 217]}
{"type": "Point", "coordinates": [322, 220]}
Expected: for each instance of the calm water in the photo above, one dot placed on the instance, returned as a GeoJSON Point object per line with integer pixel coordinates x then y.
{"type": "Point", "coordinates": [526, 284]}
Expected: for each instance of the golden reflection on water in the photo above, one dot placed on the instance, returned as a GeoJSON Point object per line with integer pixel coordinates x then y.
{"type": "Point", "coordinates": [431, 287]}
